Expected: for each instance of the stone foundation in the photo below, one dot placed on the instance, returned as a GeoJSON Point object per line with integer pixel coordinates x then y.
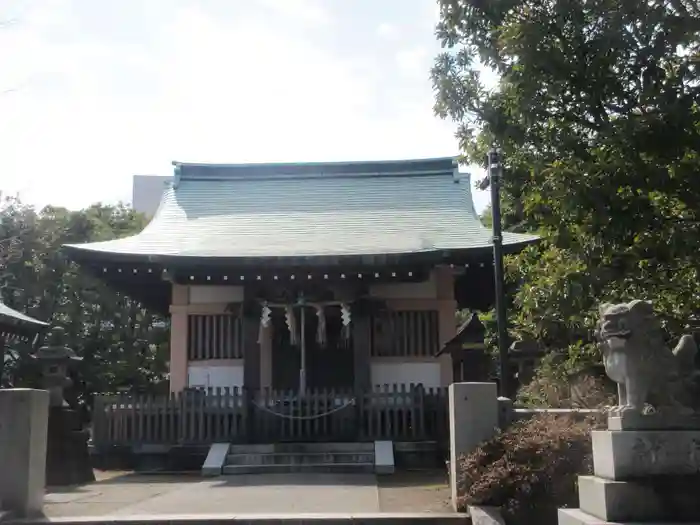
{"type": "Point", "coordinates": [643, 473]}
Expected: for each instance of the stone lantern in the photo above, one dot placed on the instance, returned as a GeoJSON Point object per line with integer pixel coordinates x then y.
{"type": "Point", "coordinates": [56, 360]}
{"type": "Point", "coordinates": [67, 456]}
{"type": "Point", "coordinates": [525, 356]}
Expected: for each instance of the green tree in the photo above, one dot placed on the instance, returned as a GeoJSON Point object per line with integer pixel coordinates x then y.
{"type": "Point", "coordinates": [597, 113]}
{"type": "Point", "coordinates": [122, 344]}
{"type": "Point", "coordinates": [486, 218]}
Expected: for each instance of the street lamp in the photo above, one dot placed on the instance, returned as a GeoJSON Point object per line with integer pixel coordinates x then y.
{"type": "Point", "coordinates": [495, 171]}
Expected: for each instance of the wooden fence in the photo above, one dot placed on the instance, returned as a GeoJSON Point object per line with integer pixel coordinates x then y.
{"type": "Point", "coordinates": [268, 416]}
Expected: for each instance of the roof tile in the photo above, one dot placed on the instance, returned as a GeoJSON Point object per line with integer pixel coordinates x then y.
{"type": "Point", "coordinates": [300, 210]}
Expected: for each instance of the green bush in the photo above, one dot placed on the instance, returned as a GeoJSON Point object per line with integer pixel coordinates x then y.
{"type": "Point", "coordinates": [531, 469]}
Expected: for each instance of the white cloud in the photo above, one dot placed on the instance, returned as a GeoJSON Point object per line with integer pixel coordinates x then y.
{"type": "Point", "coordinates": [25, 51]}
{"type": "Point", "coordinates": [307, 11]}
{"type": "Point", "coordinates": [254, 105]}
{"type": "Point", "coordinates": [388, 31]}
{"type": "Point", "coordinates": [207, 89]}
{"type": "Point", "coordinates": [413, 61]}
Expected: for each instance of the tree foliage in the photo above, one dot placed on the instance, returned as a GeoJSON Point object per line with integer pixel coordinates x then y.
{"type": "Point", "coordinates": [486, 217]}
{"type": "Point", "coordinates": [597, 113]}
{"type": "Point", "coordinates": [122, 344]}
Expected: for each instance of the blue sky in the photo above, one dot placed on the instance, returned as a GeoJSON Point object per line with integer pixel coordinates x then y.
{"type": "Point", "coordinates": [93, 92]}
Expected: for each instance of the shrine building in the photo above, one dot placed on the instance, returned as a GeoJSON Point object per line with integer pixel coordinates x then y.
{"type": "Point", "coordinates": [308, 276]}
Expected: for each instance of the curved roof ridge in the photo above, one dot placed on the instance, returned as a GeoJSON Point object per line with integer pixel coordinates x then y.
{"type": "Point", "coordinates": [379, 168]}
{"type": "Point", "coordinates": [316, 163]}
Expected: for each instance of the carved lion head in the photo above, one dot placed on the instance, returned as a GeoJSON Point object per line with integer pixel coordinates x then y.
{"type": "Point", "coordinates": [621, 323]}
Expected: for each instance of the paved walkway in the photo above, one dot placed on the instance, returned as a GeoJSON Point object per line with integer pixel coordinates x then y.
{"type": "Point", "coordinates": [245, 494]}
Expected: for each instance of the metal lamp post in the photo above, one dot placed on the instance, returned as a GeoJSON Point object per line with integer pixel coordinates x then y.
{"type": "Point", "coordinates": [495, 170]}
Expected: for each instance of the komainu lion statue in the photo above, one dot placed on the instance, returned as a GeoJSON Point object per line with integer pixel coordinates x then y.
{"type": "Point", "coordinates": [649, 375]}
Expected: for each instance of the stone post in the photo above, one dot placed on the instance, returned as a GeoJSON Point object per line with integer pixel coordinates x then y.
{"type": "Point", "coordinates": [506, 412]}
{"type": "Point", "coordinates": [473, 419]}
{"type": "Point", "coordinates": [24, 416]}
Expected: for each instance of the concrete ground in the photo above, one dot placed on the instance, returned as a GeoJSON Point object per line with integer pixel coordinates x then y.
{"type": "Point", "coordinates": [414, 491]}
{"type": "Point", "coordinates": [123, 494]}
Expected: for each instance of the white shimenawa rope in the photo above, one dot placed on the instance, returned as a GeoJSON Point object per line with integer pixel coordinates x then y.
{"type": "Point", "coordinates": [315, 416]}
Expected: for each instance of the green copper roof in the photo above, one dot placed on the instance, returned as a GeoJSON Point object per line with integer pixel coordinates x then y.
{"type": "Point", "coordinates": [308, 210]}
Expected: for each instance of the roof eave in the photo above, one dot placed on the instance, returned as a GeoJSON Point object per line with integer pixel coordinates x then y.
{"type": "Point", "coordinates": [82, 253]}
{"type": "Point", "coordinates": [12, 318]}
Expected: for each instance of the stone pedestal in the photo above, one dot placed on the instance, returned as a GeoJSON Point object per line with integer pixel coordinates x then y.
{"type": "Point", "coordinates": [23, 429]}
{"type": "Point", "coordinates": [68, 459]}
{"type": "Point", "coordinates": [643, 473]}
{"type": "Point", "coordinates": [473, 419]}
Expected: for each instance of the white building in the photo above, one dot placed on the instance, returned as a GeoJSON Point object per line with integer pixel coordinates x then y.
{"type": "Point", "coordinates": [147, 191]}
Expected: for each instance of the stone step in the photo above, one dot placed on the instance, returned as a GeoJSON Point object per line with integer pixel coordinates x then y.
{"type": "Point", "coordinates": [276, 458]}
{"type": "Point", "coordinates": [280, 468]}
{"type": "Point", "coordinates": [302, 447]}
{"type": "Point", "coordinates": [378, 518]}
{"type": "Point", "coordinates": [417, 446]}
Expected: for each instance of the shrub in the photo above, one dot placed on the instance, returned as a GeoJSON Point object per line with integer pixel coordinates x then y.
{"type": "Point", "coordinates": [584, 389]}
{"type": "Point", "coordinates": [531, 469]}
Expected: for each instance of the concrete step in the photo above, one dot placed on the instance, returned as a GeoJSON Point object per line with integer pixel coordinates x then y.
{"type": "Point", "coordinates": [280, 468]}
{"type": "Point", "coordinates": [276, 458]}
{"type": "Point", "coordinates": [302, 447]}
{"type": "Point", "coordinates": [417, 446]}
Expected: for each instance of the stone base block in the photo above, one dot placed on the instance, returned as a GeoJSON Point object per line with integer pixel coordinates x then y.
{"type": "Point", "coordinates": [23, 415]}
{"type": "Point", "coordinates": [662, 498]}
{"type": "Point", "coordinates": [631, 454]}
{"type": "Point", "coordinates": [578, 517]}
{"type": "Point", "coordinates": [486, 516]}
{"type": "Point", "coordinates": [216, 459]}
{"type": "Point", "coordinates": [384, 457]}
{"type": "Point", "coordinates": [67, 457]}
{"type": "Point", "coordinates": [659, 421]}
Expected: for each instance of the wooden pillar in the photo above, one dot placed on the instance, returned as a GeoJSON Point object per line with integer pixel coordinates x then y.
{"type": "Point", "coordinates": [178, 338]}
{"type": "Point", "coordinates": [447, 306]}
{"type": "Point", "coordinates": [251, 353]}
{"type": "Point", "coordinates": [361, 342]}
